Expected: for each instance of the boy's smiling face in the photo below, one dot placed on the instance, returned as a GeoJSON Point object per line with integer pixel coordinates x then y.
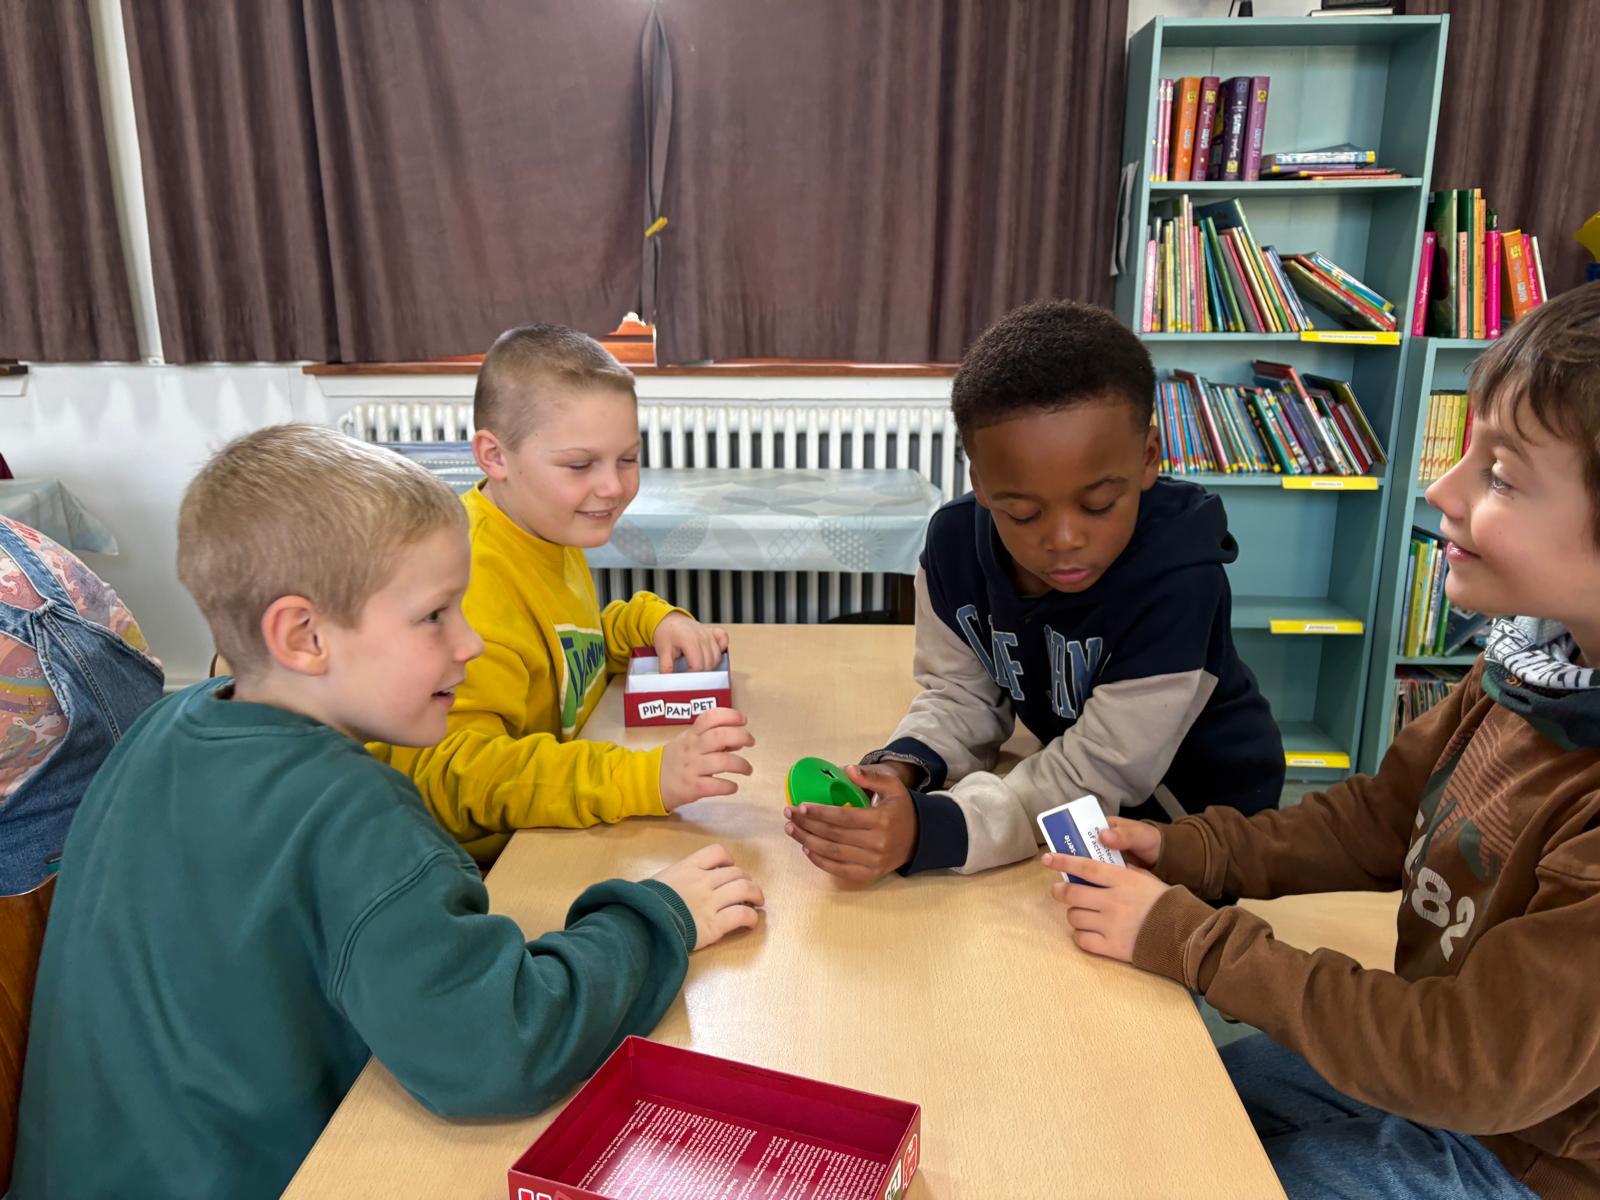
{"type": "Point", "coordinates": [1521, 526]}
{"type": "Point", "coordinates": [1064, 487]}
{"type": "Point", "coordinates": [571, 477]}
{"type": "Point", "coordinates": [392, 677]}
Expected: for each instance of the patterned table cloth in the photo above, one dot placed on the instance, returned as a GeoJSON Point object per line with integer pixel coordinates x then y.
{"type": "Point", "coordinates": [759, 519]}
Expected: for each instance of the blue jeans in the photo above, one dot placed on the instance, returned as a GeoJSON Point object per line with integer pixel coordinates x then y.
{"type": "Point", "coordinates": [102, 685]}
{"type": "Point", "coordinates": [1325, 1145]}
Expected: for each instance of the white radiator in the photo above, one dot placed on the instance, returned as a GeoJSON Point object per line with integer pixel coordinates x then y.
{"type": "Point", "coordinates": [916, 434]}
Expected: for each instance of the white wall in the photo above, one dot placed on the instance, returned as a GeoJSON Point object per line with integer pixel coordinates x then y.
{"type": "Point", "coordinates": [126, 440]}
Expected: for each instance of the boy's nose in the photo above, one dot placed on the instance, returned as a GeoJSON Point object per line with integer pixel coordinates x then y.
{"type": "Point", "coordinates": [1062, 535]}
{"type": "Point", "coordinates": [1445, 494]}
{"type": "Point", "coordinates": [469, 647]}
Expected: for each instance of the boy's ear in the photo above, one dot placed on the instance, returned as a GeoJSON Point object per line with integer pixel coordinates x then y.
{"type": "Point", "coordinates": [490, 454]}
{"type": "Point", "coordinates": [291, 629]}
{"type": "Point", "coordinates": [1152, 459]}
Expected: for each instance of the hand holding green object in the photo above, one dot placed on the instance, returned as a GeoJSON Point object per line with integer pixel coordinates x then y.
{"type": "Point", "coordinates": [818, 781]}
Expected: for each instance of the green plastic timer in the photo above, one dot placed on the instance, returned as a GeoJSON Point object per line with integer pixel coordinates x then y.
{"type": "Point", "coordinates": [818, 781]}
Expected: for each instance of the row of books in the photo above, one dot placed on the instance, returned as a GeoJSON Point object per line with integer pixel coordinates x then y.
{"type": "Point", "coordinates": [1281, 424]}
{"type": "Point", "coordinates": [1417, 689]}
{"type": "Point", "coordinates": [1472, 278]}
{"type": "Point", "coordinates": [1206, 273]}
{"type": "Point", "coordinates": [1207, 128]}
{"type": "Point", "coordinates": [1432, 626]}
{"type": "Point", "coordinates": [1446, 435]}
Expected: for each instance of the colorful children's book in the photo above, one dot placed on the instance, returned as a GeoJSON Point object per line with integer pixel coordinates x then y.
{"type": "Point", "coordinates": [1210, 87]}
{"type": "Point", "coordinates": [1419, 307]}
{"type": "Point", "coordinates": [1185, 108]}
{"type": "Point", "coordinates": [1442, 301]}
{"type": "Point", "coordinates": [1163, 152]}
{"type": "Point", "coordinates": [1255, 126]}
{"type": "Point", "coordinates": [1228, 136]}
{"type": "Point", "coordinates": [1329, 156]}
{"type": "Point", "coordinates": [1491, 280]}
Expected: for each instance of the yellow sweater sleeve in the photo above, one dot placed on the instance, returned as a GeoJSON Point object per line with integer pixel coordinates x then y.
{"type": "Point", "coordinates": [482, 780]}
{"type": "Point", "coordinates": [630, 623]}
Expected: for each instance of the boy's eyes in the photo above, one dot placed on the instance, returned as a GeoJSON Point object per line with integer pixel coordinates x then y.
{"type": "Point", "coordinates": [1016, 520]}
{"type": "Point", "coordinates": [584, 466]}
{"type": "Point", "coordinates": [1101, 511]}
{"type": "Point", "coordinates": [435, 616]}
{"type": "Point", "coordinates": [1496, 484]}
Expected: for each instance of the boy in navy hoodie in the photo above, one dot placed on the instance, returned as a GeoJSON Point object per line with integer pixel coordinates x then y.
{"type": "Point", "coordinates": [1072, 590]}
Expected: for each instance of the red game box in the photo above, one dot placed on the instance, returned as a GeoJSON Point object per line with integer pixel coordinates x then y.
{"type": "Point", "coordinates": [650, 697]}
{"type": "Point", "coordinates": [662, 1123]}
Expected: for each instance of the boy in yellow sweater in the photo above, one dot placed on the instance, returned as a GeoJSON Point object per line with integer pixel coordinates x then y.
{"type": "Point", "coordinates": [558, 441]}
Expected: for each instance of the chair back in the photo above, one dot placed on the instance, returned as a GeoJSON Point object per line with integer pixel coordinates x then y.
{"type": "Point", "coordinates": [22, 919]}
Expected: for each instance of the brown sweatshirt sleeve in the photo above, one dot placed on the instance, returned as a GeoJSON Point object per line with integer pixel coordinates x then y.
{"type": "Point", "coordinates": [1353, 837]}
{"type": "Point", "coordinates": [1510, 1041]}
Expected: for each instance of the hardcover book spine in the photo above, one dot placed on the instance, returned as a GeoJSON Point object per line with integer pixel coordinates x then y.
{"type": "Point", "coordinates": [1255, 126]}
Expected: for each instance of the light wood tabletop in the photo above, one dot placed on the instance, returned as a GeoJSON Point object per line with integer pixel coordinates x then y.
{"type": "Point", "coordinates": [1042, 1071]}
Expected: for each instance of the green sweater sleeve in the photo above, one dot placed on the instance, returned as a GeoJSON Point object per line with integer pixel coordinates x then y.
{"type": "Point", "coordinates": [473, 1020]}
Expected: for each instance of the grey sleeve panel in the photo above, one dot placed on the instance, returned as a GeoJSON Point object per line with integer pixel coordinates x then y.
{"type": "Point", "coordinates": [1118, 751]}
{"type": "Point", "coordinates": [961, 714]}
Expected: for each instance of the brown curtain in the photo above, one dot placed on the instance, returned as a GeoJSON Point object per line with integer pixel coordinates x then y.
{"type": "Point", "coordinates": [880, 181]}
{"type": "Point", "coordinates": [1519, 117]}
{"type": "Point", "coordinates": [237, 238]}
{"type": "Point", "coordinates": [381, 180]}
{"type": "Point", "coordinates": [482, 166]}
{"type": "Point", "coordinates": [63, 279]}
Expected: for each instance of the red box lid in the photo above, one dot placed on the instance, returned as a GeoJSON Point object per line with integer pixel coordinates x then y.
{"type": "Point", "coordinates": [659, 1121]}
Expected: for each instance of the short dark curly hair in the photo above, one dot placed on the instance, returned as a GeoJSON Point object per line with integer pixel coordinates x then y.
{"type": "Point", "coordinates": [1048, 355]}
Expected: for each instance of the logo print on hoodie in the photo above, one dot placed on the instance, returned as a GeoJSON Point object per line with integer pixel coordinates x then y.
{"type": "Point", "coordinates": [585, 653]}
{"type": "Point", "coordinates": [1073, 666]}
{"type": "Point", "coordinates": [1002, 668]}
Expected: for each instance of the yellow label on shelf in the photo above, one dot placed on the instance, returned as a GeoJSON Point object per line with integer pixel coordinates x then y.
{"type": "Point", "coordinates": [1297, 625]}
{"type": "Point", "coordinates": [1329, 483]}
{"type": "Point", "coordinates": [1332, 760]}
{"type": "Point", "coordinates": [1351, 337]}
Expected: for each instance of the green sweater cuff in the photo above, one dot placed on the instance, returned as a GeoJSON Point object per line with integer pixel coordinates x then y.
{"type": "Point", "coordinates": [1162, 945]}
{"type": "Point", "coordinates": [680, 911]}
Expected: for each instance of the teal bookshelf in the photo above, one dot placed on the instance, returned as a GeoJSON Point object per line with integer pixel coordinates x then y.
{"type": "Point", "coordinates": [1311, 556]}
{"type": "Point", "coordinates": [1433, 364]}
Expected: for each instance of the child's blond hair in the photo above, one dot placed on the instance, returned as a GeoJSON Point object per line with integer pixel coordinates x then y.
{"type": "Point", "coordinates": [526, 363]}
{"type": "Point", "coordinates": [299, 510]}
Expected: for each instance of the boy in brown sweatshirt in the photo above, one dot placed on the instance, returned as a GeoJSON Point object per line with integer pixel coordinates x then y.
{"type": "Point", "coordinates": [1473, 1069]}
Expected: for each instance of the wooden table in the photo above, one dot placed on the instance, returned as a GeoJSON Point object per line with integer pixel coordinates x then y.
{"type": "Point", "coordinates": [1041, 1071]}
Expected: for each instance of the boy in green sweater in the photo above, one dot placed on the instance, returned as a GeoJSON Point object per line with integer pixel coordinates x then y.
{"type": "Point", "coordinates": [250, 904]}
{"type": "Point", "coordinates": [1472, 1069]}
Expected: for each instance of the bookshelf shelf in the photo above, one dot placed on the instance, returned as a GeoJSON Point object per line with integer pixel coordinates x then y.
{"type": "Point", "coordinates": [1220, 337]}
{"type": "Point", "coordinates": [1307, 746]}
{"type": "Point", "coordinates": [1303, 614]}
{"type": "Point", "coordinates": [1319, 559]}
{"type": "Point", "coordinates": [1296, 485]}
{"type": "Point", "coordinates": [1250, 189]}
{"type": "Point", "coordinates": [1320, 337]}
{"type": "Point", "coordinates": [1437, 660]}
{"type": "Point", "coordinates": [1432, 364]}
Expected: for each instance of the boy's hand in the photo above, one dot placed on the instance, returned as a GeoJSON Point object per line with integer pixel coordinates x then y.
{"type": "Point", "coordinates": [1105, 919]}
{"type": "Point", "coordinates": [1139, 841]}
{"type": "Point", "coordinates": [701, 646]}
{"type": "Point", "coordinates": [692, 761]}
{"type": "Point", "coordinates": [904, 772]}
{"type": "Point", "coordinates": [860, 844]}
{"type": "Point", "coordinates": [718, 893]}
